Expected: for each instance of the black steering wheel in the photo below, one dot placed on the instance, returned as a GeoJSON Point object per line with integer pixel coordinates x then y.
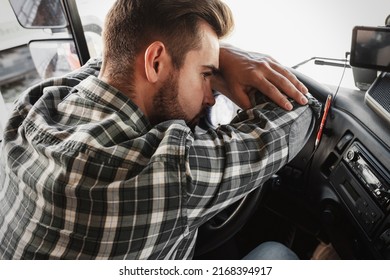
{"type": "Point", "coordinates": [227, 223]}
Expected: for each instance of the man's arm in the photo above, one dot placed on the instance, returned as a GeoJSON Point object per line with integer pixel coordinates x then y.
{"type": "Point", "coordinates": [227, 163]}
{"type": "Point", "coordinates": [245, 72]}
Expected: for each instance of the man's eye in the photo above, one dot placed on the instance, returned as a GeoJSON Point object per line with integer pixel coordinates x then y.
{"type": "Point", "coordinates": [207, 74]}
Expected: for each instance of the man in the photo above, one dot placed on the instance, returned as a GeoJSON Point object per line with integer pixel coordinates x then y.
{"type": "Point", "coordinates": [110, 167]}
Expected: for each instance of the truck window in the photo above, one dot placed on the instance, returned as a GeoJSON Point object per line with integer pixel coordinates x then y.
{"type": "Point", "coordinates": [22, 63]}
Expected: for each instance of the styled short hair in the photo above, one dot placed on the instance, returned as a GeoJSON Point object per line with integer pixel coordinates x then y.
{"type": "Point", "coordinates": [131, 25]}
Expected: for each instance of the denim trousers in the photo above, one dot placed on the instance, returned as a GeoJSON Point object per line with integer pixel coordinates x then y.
{"type": "Point", "coordinates": [271, 250]}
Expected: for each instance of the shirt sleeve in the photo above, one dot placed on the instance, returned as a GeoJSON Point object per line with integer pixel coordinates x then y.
{"type": "Point", "coordinates": [227, 163]}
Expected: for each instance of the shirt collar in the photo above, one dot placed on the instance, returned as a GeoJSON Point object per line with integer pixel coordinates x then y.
{"type": "Point", "coordinates": [102, 93]}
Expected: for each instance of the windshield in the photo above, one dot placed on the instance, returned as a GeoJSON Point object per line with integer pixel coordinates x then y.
{"type": "Point", "coordinates": [296, 30]}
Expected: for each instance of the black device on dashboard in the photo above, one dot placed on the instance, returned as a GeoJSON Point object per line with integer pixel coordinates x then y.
{"type": "Point", "coordinates": [370, 48]}
{"type": "Point", "coordinates": [364, 184]}
{"type": "Point", "coordinates": [371, 176]}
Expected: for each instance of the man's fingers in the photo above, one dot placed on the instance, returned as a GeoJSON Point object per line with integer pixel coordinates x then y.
{"type": "Point", "coordinates": [240, 97]}
{"type": "Point", "coordinates": [288, 88]}
{"type": "Point", "coordinates": [276, 81]}
{"type": "Point", "coordinates": [290, 76]}
{"type": "Point", "coordinates": [272, 92]}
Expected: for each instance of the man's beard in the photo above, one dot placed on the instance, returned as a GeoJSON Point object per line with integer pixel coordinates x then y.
{"type": "Point", "coordinates": [167, 107]}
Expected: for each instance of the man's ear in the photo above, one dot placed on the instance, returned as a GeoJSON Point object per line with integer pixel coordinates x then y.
{"type": "Point", "coordinates": [155, 60]}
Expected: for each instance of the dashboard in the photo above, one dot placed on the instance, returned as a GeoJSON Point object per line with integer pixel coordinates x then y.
{"type": "Point", "coordinates": [346, 181]}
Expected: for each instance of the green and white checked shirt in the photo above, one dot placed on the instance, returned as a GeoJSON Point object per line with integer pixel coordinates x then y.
{"type": "Point", "coordinates": [83, 174]}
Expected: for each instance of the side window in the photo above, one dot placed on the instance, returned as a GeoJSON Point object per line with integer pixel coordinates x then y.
{"type": "Point", "coordinates": [17, 70]}
{"type": "Point", "coordinates": [92, 18]}
{"type": "Point", "coordinates": [36, 42]}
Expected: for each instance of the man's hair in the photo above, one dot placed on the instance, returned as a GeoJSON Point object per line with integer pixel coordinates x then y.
{"type": "Point", "coordinates": [131, 25]}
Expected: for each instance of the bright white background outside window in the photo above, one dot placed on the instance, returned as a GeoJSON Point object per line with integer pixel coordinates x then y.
{"type": "Point", "coordinates": [294, 30]}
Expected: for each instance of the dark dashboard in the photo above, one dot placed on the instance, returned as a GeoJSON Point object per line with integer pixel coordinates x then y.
{"type": "Point", "coordinates": [345, 183]}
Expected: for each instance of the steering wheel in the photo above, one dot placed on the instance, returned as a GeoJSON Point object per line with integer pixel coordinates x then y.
{"type": "Point", "coordinates": [227, 223]}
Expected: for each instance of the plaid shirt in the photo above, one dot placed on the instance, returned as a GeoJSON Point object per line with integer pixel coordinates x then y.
{"type": "Point", "coordinates": [84, 175]}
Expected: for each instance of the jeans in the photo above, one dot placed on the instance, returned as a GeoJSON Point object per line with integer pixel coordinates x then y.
{"type": "Point", "coordinates": [271, 250]}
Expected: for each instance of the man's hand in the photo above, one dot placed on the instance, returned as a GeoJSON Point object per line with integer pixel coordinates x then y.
{"type": "Point", "coordinates": [244, 72]}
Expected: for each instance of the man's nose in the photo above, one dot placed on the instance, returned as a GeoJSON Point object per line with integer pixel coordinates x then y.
{"type": "Point", "coordinates": [209, 98]}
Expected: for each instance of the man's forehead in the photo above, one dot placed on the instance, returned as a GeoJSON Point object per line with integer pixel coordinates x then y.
{"type": "Point", "coordinates": [209, 45]}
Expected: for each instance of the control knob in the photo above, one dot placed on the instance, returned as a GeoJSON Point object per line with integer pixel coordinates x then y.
{"type": "Point", "coordinates": [352, 155]}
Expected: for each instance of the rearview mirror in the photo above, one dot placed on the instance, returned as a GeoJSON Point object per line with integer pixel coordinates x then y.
{"type": "Point", "coordinates": [39, 13]}
{"type": "Point", "coordinates": [54, 58]}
